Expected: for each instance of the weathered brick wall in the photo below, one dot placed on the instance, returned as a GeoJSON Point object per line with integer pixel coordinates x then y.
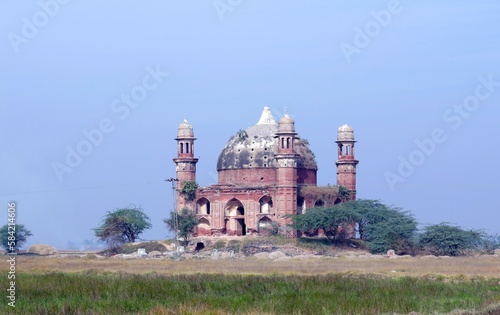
{"type": "Point", "coordinates": [221, 222]}
{"type": "Point", "coordinates": [254, 176]}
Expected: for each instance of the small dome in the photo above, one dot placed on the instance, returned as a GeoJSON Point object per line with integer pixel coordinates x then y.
{"type": "Point", "coordinates": [346, 132]}
{"type": "Point", "coordinates": [185, 130]}
{"type": "Point", "coordinates": [286, 124]}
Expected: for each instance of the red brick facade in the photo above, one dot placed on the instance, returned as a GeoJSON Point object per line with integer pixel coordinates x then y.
{"type": "Point", "coordinates": [261, 171]}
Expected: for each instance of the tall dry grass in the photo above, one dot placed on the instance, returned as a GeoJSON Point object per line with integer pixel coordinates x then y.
{"type": "Point", "coordinates": [486, 266]}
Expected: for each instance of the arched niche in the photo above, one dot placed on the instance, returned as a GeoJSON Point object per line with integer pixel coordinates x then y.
{"type": "Point", "coordinates": [203, 206]}
{"type": "Point", "coordinates": [266, 204]}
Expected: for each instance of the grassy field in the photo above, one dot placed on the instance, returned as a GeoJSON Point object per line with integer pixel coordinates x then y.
{"type": "Point", "coordinates": [86, 285]}
{"type": "Point", "coordinates": [115, 293]}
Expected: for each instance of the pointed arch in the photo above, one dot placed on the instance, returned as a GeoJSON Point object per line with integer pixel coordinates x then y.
{"type": "Point", "coordinates": [233, 208]}
{"type": "Point", "coordinates": [266, 204]}
{"type": "Point", "coordinates": [203, 206]}
{"type": "Point", "coordinates": [204, 221]}
{"type": "Point", "coordinates": [319, 203]}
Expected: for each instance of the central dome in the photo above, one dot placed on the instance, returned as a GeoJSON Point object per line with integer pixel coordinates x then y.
{"type": "Point", "coordinates": [256, 147]}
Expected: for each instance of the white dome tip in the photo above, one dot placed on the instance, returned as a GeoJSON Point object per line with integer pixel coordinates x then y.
{"type": "Point", "coordinates": [267, 117]}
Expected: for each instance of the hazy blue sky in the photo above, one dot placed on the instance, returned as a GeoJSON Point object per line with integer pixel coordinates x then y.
{"type": "Point", "coordinates": [418, 80]}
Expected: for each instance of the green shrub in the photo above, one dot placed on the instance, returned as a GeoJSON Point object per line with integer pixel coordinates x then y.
{"type": "Point", "coordinates": [445, 239]}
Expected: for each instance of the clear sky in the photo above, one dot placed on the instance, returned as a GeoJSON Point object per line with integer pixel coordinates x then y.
{"type": "Point", "coordinates": [418, 80]}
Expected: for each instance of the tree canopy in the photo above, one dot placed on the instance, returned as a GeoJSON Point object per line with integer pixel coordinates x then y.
{"type": "Point", "coordinates": [122, 226]}
{"type": "Point", "coordinates": [446, 239]}
{"type": "Point", "coordinates": [186, 222]}
{"type": "Point", "coordinates": [334, 221]}
{"type": "Point", "coordinates": [13, 237]}
{"type": "Point", "coordinates": [383, 227]}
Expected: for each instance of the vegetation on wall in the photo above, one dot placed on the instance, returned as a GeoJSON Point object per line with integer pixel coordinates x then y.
{"type": "Point", "coordinates": [345, 194]}
{"type": "Point", "coordinates": [188, 190]}
{"type": "Point", "coordinates": [242, 135]}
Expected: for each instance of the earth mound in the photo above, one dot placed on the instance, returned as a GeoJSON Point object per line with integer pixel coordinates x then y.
{"type": "Point", "coordinates": [42, 249]}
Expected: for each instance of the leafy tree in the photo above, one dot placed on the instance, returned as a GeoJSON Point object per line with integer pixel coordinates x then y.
{"type": "Point", "coordinates": [334, 221]}
{"type": "Point", "coordinates": [383, 227]}
{"type": "Point", "coordinates": [186, 222]}
{"type": "Point", "coordinates": [188, 190]}
{"type": "Point", "coordinates": [122, 226]}
{"type": "Point", "coordinates": [369, 211]}
{"type": "Point", "coordinates": [396, 232]}
{"type": "Point", "coordinates": [490, 243]}
{"type": "Point", "coordinates": [445, 239]}
{"type": "Point", "coordinates": [14, 238]}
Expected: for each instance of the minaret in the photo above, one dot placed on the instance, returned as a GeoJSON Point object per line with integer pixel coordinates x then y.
{"type": "Point", "coordinates": [346, 164]}
{"type": "Point", "coordinates": [185, 161]}
{"type": "Point", "coordinates": [286, 159]}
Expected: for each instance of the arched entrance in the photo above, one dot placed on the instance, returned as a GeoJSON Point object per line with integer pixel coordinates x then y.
{"type": "Point", "coordinates": [235, 213]}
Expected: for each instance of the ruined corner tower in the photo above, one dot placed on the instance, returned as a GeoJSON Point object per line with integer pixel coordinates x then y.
{"type": "Point", "coordinates": [286, 159]}
{"type": "Point", "coordinates": [185, 162]}
{"type": "Point", "coordinates": [346, 163]}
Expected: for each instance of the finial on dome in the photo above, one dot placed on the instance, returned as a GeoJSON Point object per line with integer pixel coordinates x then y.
{"type": "Point", "coordinates": [267, 117]}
